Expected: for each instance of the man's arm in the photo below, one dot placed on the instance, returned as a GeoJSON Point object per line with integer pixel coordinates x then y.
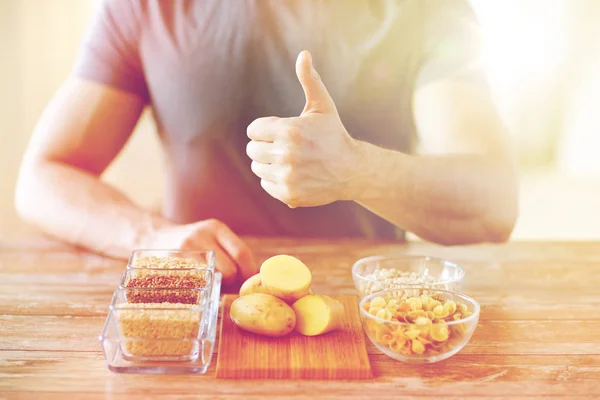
{"type": "Point", "coordinates": [462, 188]}
{"type": "Point", "coordinates": [59, 189]}
{"type": "Point", "coordinates": [463, 191]}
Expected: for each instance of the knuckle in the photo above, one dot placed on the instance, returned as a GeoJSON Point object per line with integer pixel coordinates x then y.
{"type": "Point", "coordinates": [288, 177]}
{"type": "Point", "coordinates": [235, 253]}
{"type": "Point", "coordinates": [213, 223]}
{"type": "Point", "coordinates": [287, 156]}
{"type": "Point", "coordinates": [292, 203]}
{"type": "Point", "coordinates": [288, 195]}
{"type": "Point", "coordinates": [256, 168]}
{"type": "Point", "coordinates": [250, 148]}
{"type": "Point", "coordinates": [265, 185]}
{"type": "Point", "coordinates": [257, 125]}
{"type": "Point", "coordinates": [239, 253]}
{"type": "Point", "coordinates": [252, 128]}
{"type": "Point", "coordinates": [261, 121]}
{"type": "Point", "coordinates": [293, 134]}
{"type": "Point", "coordinates": [187, 243]}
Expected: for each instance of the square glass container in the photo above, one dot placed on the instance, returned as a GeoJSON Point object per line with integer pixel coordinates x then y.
{"type": "Point", "coordinates": [172, 259]}
{"type": "Point", "coordinates": [150, 284]}
{"type": "Point", "coordinates": [162, 337]}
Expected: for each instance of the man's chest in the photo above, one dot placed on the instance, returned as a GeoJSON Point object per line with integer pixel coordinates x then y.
{"type": "Point", "coordinates": [216, 70]}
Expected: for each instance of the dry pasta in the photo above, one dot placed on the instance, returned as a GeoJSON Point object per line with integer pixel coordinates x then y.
{"type": "Point", "coordinates": [425, 330]}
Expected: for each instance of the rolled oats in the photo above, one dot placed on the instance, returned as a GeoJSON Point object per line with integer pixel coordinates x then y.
{"type": "Point", "coordinates": [388, 278]}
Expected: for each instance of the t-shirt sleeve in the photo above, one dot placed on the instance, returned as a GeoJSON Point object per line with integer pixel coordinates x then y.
{"type": "Point", "coordinates": [452, 43]}
{"type": "Point", "coordinates": [109, 53]}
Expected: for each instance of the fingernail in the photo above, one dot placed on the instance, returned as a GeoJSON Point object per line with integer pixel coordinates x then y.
{"type": "Point", "coordinates": [309, 56]}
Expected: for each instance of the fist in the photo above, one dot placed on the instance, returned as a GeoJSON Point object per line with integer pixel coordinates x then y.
{"type": "Point", "coordinates": [308, 160]}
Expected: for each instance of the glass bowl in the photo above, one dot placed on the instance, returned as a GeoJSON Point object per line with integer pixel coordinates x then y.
{"type": "Point", "coordinates": [377, 273]}
{"type": "Point", "coordinates": [419, 325]}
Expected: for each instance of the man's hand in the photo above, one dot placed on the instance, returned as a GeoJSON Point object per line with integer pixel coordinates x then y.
{"type": "Point", "coordinates": [234, 258]}
{"type": "Point", "coordinates": [307, 160]}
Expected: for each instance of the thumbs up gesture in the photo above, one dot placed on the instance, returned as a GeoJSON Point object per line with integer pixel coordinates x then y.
{"type": "Point", "coordinates": [308, 160]}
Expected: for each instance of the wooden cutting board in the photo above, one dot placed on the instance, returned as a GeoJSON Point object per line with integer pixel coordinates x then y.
{"type": "Point", "coordinates": [340, 354]}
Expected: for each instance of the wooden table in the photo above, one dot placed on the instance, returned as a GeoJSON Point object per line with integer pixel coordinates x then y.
{"type": "Point", "coordinates": [538, 336]}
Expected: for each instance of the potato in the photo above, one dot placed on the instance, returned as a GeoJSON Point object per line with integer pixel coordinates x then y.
{"type": "Point", "coordinates": [285, 277]}
{"type": "Point", "coordinates": [290, 298]}
{"type": "Point", "coordinates": [263, 314]}
{"type": "Point", "coordinates": [252, 285]}
{"type": "Point", "coordinates": [318, 314]}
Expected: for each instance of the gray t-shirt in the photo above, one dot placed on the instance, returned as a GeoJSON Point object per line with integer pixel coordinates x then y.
{"type": "Point", "coordinates": [210, 67]}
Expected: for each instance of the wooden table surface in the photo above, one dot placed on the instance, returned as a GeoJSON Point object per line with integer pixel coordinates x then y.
{"type": "Point", "coordinates": [538, 335]}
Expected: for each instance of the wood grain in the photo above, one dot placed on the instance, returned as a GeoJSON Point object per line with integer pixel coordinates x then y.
{"type": "Point", "coordinates": [491, 337]}
{"type": "Point", "coordinates": [341, 354]}
{"type": "Point", "coordinates": [537, 336]}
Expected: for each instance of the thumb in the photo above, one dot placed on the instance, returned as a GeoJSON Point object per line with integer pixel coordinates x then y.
{"type": "Point", "coordinates": [318, 99]}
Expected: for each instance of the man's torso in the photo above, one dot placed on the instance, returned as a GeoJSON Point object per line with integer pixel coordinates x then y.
{"type": "Point", "coordinates": [211, 67]}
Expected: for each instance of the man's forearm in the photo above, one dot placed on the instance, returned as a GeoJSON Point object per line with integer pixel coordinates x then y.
{"type": "Point", "coordinates": [455, 199]}
{"type": "Point", "coordinates": [77, 207]}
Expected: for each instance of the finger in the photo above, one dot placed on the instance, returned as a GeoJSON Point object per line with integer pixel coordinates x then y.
{"type": "Point", "coordinates": [272, 188]}
{"type": "Point", "coordinates": [224, 264]}
{"type": "Point", "coordinates": [262, 152]}
{"type": "Point", "coordinates": [264, 129]}
{"type": "Point", "coordinates": [264, 171]}
{"type": "Point", "coordinates": [238, 250]}
{"type": "Point", "coordinates": [318, 99]}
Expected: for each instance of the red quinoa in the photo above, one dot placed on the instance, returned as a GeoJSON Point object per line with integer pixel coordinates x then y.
{"type": "Point", "coordinates": [182, 282]}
